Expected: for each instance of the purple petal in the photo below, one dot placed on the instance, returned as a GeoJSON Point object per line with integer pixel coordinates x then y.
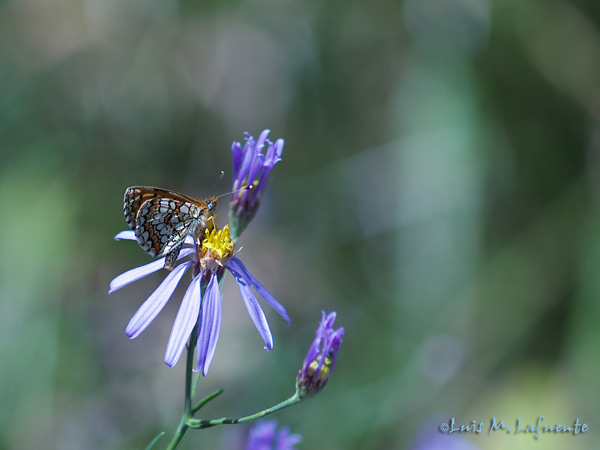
{"type": "Point", "coordinates": [249, 155]}
{"type": "Point", "coordinates": [262, 435]}
{"type": "Point", "coordinates": [210, 325]}
{"type": "Point", "coordinates": [274, 153]}
{"type": "Point", "coordinates": [260, 143]}
{"type": "Point", "coordinates": [256, 313]}
{"type": "Point", "coordinates": [143, 271]}
{"type": "Point", "coordinates": [312, 353]}
{"type": "Point", "coordinates": [287, 440]}
{"type": "Point", "coordinates": [127, 234]}
{"type": "Point", "coordinates": [135, 274]}
{"type": "Point", "coordinates": [156, 302]}
{"type": "Point", "coordinates": [255, 168]}
{"type": "Point", "coordinates": [327, 320]}
{"type": "Point", "coordinates": [237, 155]}
{"type": "Point", "coordinates": [237, 268]}
{"type": "Point", "coordinates": [336, 340]}
{"type": "Point", "coordinates": [272, 157]}
{"type": "Point", "coordinates": [187, 316]}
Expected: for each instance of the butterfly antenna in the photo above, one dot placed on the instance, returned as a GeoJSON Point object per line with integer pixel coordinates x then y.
{"type": "Point", "coordinates": [237, 190]}
{"type": "Point", "coordinates": [217, 182]}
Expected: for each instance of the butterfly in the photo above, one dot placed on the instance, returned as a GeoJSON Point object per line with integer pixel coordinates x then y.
{"type": "Point", "coordinates": [161, 219]}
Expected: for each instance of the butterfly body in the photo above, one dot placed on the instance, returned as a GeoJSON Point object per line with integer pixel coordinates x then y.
{"type": "Point", "coordinates": [161, 219]}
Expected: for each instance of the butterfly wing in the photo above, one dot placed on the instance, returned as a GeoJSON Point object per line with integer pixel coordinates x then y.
{"type": "Point", "coordinates": [135, 197]}
{"type": "Point", "coordinates": [161, 219]}
{"type": "Point", "coordinates": [163, 223]}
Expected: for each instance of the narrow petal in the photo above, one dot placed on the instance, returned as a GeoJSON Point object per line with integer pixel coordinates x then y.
{"type": "Point", "coordinates": [127, 234]}
{"type": "Point", "coordinates": [336, 340]}
{"type": "Point", "coordinates": [274, 152]}
{"type": "Point", "coordinates": [256, 313]}
{"type": "Point", "coordinates": [272, 157]}
{"type": "Point", "coordinates": [312, 353]}
{"type": "Point", "coordinates": [140, 272]}
{"type": "Point", "coordinates": [135, 274]}
{"type": "Point", "coordinates": [187, 316]}
{"type": "Point", "coordinates": [237, 155]}
{"type": "Point", "coordinates": [210, 325]}
{"type": "Point", "coordinates": [249, 155]}
{"type": "Point", "coordinates": [260, 143]}
{"type": "Point", "coordinates": [237, 268]}
{"type": "Point", "coordinates": [255, 168]}
{"type": "Point", "coordinates": [327, 320]}
{"type": "Point", "coordinates": [255, 172]}
{"type": "Point", "coordinates": [156, 302]}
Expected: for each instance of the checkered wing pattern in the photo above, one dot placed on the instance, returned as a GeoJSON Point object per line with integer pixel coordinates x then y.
{"type": "Point", "coordinates": [161, 219]}
{"type": "Point", "coordinates": [163, 223]}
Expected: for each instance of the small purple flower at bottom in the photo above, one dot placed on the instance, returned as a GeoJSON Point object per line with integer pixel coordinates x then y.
{"type": "Point", "coordinates": [264, 436]}
{"type": "Point", "coordinates": [209, 261]}
{"type": "Point", "coordinates": [320, 359]}
{"type": "Point", "coordinates": [251, 167]}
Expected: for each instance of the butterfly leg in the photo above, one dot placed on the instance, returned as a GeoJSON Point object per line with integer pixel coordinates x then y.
{"type": "Point", "coordinates": [171, 257]}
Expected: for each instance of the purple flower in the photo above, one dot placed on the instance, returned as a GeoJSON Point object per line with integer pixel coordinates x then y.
{"type": "Point", "coordinates": [264, 436]}
{"type": "Point", "coordinates": [320, 359]}
{"type": "Point", "coordinates": [202, 300]}
{"type": "Point", "coordinates": [251, 167]}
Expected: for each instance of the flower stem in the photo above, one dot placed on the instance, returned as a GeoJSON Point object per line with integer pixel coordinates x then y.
{"type": "Point", "coordinates": [205, 400]}
{"type": "Point", "coordinates": [152, 444]}
{"type": "Point", "coordinates": [200, 424]}
{"type": "Point", "coordinates": [187, 411]}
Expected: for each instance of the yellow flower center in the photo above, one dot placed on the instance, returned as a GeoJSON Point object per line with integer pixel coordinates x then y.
{"type": "Point", "coordinates": [218, 243]}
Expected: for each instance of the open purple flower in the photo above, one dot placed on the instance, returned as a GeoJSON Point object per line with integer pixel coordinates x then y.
{"type": "Point", "coordinates": [320, 359]}
{"type": "Point", "coordinates": [251, 167]}
{"type": "Point", "coordinates": [202, 300]}
{"type": "Point", "coordinates": [264, 436]}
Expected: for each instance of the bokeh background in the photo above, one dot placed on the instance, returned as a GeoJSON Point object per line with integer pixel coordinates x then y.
{"type": "Point", "coordinates": [439, 190]}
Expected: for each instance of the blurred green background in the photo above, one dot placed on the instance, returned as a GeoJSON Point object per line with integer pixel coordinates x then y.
{"type": "Point", "coordinates": [439, 190]}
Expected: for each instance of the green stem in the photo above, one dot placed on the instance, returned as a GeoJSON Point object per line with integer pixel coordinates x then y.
{"type": "Point", "coordinates": [187, 412]}
{"type": "Point", "coordinates": [205, 400]}
{"type": "Point", "coordinates": [200, 424]}
{"type": "Point", "coordinates": [196, 383]}
{"type": "Point", "coordinates": [152, 444]}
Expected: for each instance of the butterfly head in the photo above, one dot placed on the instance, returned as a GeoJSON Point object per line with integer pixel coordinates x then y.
{"type": "Point", "coordinates": [208, 211]}
{"type": "Point", "coordinates": [211, 203]}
